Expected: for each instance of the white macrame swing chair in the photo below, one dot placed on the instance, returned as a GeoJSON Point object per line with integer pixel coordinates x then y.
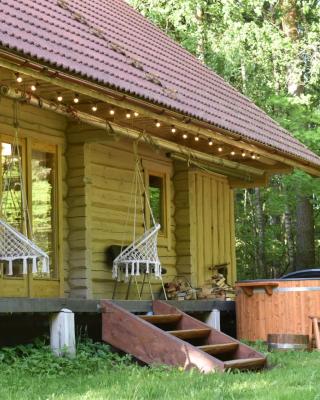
{"type": "Point", "coordinates": [142, 253]}
{"type": "Point", "coordinates": [15, 246]}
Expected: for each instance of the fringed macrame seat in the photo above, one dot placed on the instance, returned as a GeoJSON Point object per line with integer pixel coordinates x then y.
{"type": "Point", "coordinates": [14, 246]}
{"type": "Point", "coordinates": [142, 253]}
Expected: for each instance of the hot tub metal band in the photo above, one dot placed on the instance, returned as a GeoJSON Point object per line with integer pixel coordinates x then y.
{"type": "Point", "coordinates": [291, 289]}
{"type": "Point", "coordinates": [287, 346]}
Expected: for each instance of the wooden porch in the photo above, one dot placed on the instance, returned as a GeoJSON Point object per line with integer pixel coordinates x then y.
{"type": "Point", "coordinates": [53, 305]}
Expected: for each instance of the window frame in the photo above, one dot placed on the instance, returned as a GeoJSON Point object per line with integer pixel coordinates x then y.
{"type": "Point", "coordinates": [28, 144]}
{"type": "Point", "coordinates": [163, 171]}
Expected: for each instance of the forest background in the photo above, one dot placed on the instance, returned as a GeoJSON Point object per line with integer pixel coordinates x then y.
{"type": "Point", "coordinates": [270, 51]}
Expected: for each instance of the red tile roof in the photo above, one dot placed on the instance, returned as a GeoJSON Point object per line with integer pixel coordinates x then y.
{"type": "Point", "coordinates": [106, 41]}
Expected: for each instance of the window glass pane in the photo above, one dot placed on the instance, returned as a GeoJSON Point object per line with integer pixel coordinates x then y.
{"type": "Point", "coordinates": [43, 194]}
{"type": "Point", "coordinates": [156, 197]}
{"type": "Point", "coordinates": [11, 191]}
{"type": "Point", "coordinates": [11, 187]}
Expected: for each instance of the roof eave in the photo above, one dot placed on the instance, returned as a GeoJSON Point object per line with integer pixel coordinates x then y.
{"type": "Point", "coordinates": [19, 63]}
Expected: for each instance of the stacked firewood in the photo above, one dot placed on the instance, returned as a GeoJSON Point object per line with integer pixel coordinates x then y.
{"type": "Point", "coordinates": [214, 288]}
{"type": "Point", "coordinates": [180, 289]}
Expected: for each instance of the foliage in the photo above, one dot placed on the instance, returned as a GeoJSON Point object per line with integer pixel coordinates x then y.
{"type": "Point", "coordinates": [98, 374]}
{"type": "Point", "coordinates": [270, 51]}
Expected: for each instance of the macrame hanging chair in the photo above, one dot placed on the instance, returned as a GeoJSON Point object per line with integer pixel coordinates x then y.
{"type": "Point", "coordinates": [142, 254]}
{"type": "Point", "coordinates": [15, 246]}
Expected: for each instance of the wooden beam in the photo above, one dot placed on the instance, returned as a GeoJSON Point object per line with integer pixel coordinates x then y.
{"type": "Point", "coordinates": [111, 129]}
{"type": "Point", "coordinates": [241, 184]}
{"type": "Point", "coordinates": [26, 305]}
{"type": "Point", "coordinates": [98, 92]}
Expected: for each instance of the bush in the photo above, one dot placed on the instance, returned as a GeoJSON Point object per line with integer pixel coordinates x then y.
{"type": "Point", "coordinates": [38, 359]}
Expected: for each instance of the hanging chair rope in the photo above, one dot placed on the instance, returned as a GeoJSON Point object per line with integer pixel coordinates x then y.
{"type": "Point", "coordinates": [14, 246]}
{"type": "Point", "coordinates": [142, 253]}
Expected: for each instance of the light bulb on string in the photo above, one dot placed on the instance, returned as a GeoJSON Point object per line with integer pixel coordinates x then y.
{"type": "Point", "coordinates": [76, 98]}
{"type": "Point", "coordinates": [158, 124]}
{"type": "Point", "coordinates": [112, 111]}
{"type": "Point", "coordinates": [18, 78]}
{"type": "Point", "coordinates": [173, 129]}
{"type": "Point", "coordinates": [128, 114]}
{"type": "Point", "coordinates": [136, 114]}
{"type": "Point", "coordinates": [197, 138]}
{"type": "Point", "coordinates": [220, 149]}
{"type": "Point", "coordinates": [243, 153]}
{"type": "Point", "coordinates": [59, 97]}
{"type": "Point", "coordinates": [210, 142]}
{"type": "Point", "coordinates": [33, 87]}
{"type": "Point", "coordinates": [94, 108]}
{"type": "Point", "coordinates": [185, 136]}
{"type": "Point", "coordinates": [253, 156]}
{"type": "Point", "coordinates": [233, 153]}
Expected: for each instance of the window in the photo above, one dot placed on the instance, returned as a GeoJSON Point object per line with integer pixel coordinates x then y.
{"type": "Point", "coordinates": [38, 169]}
{"type": "Point", "coordinates": [157, 183]}
{"type": "Point", "coordinates": [156, 197]}
{"type": "Point", "coordinates": [43, 203]}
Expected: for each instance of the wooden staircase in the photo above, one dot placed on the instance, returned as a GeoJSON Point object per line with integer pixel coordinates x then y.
{"type": "Point", "coordinates": [174, 338]}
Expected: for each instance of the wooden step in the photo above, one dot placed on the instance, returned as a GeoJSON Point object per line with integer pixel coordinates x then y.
{"type": "Point", "coordinates": [245, 363]}
{"type": "Point", "coordinates": [218, 348]}
{"type": "Point", "coordinates": [161, 318]}
{"type": "Point", "coordinates": [190, 333]}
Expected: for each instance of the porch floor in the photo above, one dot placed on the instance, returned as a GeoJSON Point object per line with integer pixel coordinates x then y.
{"type": "Point", "coordinates": [51, 305]}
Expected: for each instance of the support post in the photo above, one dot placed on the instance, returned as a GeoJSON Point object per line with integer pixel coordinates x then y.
{"type": "Point", "coordinates": [62, 333]}
{"type": "Point", "coordinates": [213, 319]}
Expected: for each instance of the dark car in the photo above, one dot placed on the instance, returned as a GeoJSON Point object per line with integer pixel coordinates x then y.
{"type": "Point", "coordinates": [303, 273]}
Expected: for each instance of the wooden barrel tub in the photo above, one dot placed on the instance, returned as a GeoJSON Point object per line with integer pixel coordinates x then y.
{"type": "Point", "coordinates": [287, 342]}
{"type": "Point", "coordinates": [276, 307]}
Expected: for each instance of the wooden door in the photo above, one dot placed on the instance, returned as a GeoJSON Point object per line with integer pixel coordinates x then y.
{"type": "Point", "coordinates": [212, 225]}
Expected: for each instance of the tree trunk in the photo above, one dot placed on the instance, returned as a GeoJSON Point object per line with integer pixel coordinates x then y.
{"type": "Point", "coordinates": [305, 220]}
{"type": "Point", "coordinates": [305, 256]}
{"type": "Point", "coordinates": [289, 237]}
{"type": "Point", "coordinates": [261, 262]}
{"type": "Point", "coordinates": [202, 33]}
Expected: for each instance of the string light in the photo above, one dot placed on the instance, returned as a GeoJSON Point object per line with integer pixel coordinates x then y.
{"type": "Point", "coordinates": [136, 114]}
{"type": "Point", "coordinates": [253, 156]}
{"type": "Point", "coordinates": [33, 87]}
{"type": "Point", "coordinates": [76, 98]}
{"type": "Point", "coordinates": [210, 142]}
{"type": "Point", "coordinates": [158, 124]}
{"type": "Point", "coordinates": [128, 114]}
{"type": "Point", "coordinates": [18, 78]}
{"type": "Point", "coordinates": [233, 153]}
{"type": "Point", "coordinates": [220, 149]}
{"type": "Point", "coordinates": [59, 97]}
{"type": "Point", "coordinates": [94, 108]}
{"type": "Point", "coordinates": [173, 129]}
{"type": "Point", "coordinates": [197, 138]}
{"type": "Point", "coordinates": [111, 111]}
{"type": "Point", "coordinates": [185, 136]}
{"type": "Point", "coordinates": [243, 153]}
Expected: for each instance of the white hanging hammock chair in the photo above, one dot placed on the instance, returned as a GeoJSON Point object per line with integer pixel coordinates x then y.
{"type": "Point", "coordinates": [14, 246]}
{"type": "Point", "coordinates": [142, 253]}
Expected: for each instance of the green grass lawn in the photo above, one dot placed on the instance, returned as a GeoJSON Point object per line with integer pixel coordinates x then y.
{"type": "Point", "coordinates": [32, 373]}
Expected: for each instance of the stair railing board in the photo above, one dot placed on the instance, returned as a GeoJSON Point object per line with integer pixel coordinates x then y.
{"type": "Point", "coordinates": [142, 338]}
{"type": "Point", "coordinates": [150, 344]}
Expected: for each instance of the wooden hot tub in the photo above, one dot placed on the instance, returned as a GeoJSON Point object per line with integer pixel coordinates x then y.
{"type": "Point", "coordinates": [276, 306]}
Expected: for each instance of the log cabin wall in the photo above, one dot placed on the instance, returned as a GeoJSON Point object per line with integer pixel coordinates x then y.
{"type": "Point", "coordinates": [111, 174]}
{"type": "Point", "coordinates": [204, 224]}
{"type": "Point", "coordinates": [45, 128]}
